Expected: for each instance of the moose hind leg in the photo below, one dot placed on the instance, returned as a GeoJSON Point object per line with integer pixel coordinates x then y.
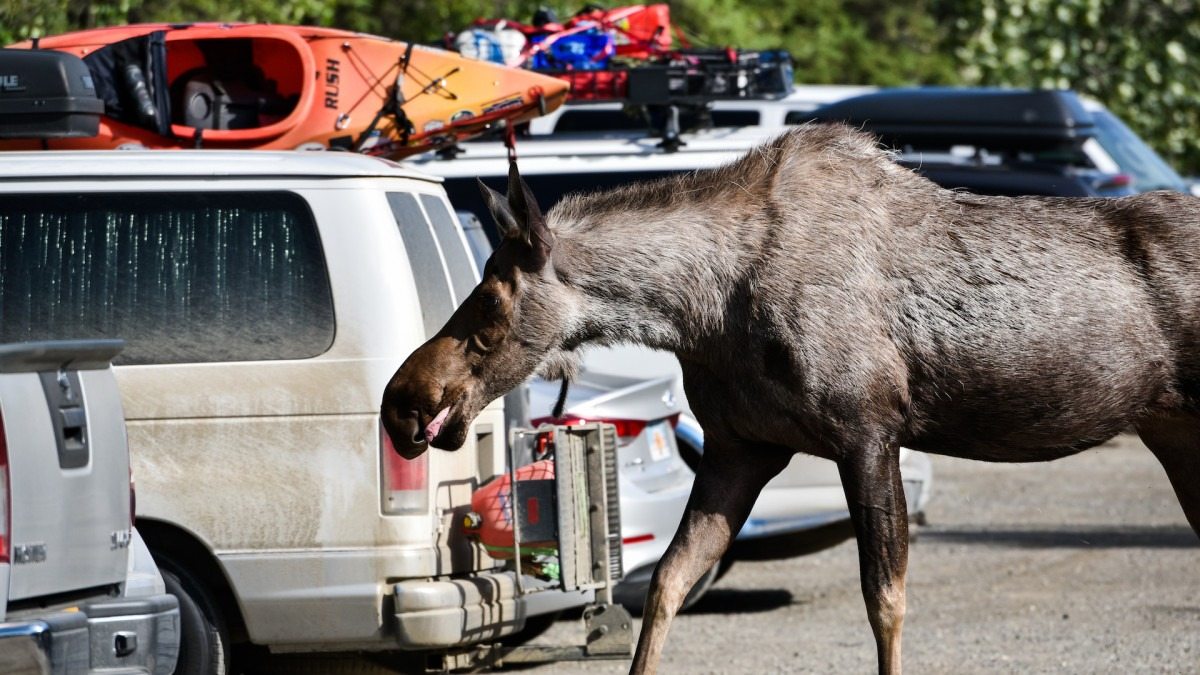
{"type": "Point", "coordinates": [1175, 441]}
{"type": "Point", "coordinates": [875, 497]}
{"type": "Point", "coordinates": [727, 484]}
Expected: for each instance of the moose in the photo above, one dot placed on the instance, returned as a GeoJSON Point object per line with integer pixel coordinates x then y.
{"type": "Point", "coordinates": [823, 299]}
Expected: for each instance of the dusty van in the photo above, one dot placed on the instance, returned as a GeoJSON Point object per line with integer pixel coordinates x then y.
{"type": "Point", "coordinates": [265, 299]}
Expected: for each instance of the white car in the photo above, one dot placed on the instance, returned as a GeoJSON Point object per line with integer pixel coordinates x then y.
{"type": "Point", "coordinates": [770, 113]}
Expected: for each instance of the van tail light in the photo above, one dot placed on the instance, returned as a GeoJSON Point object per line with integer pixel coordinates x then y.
{"type": "Point", "coordinates": [132, 498]}
{"type": "Point", "coordinates": [5, 497]}
{"type": "Point", "coordinates": [404, 483]}
{"type": "Point", "coordinates": [627, 430]}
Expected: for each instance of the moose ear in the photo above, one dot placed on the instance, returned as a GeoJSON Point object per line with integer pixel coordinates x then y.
{"type": "Point", "coordinates": [501, 213]}
{"type": "Point", "coordinates": [525, 207]}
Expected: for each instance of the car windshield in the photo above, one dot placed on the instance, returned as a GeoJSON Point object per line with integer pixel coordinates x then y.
{"type": "Point", "coordinates": [1148, 170]}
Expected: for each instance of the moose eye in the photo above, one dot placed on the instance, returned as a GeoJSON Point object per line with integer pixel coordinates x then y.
{"type": "Point", "coordinates": [490, 302]}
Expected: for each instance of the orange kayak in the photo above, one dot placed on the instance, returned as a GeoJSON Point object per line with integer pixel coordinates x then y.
{"type": "Point", "coordinates": [289, 87]}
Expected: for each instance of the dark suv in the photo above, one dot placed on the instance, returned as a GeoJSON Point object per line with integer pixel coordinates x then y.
{"type": "Point", "coordinates": [1007, 141]}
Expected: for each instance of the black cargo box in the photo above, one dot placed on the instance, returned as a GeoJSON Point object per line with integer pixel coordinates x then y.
{"type": "Point", "coordinates": [46, 94]}
{"type": "Point", "coordinates": [942, 117]}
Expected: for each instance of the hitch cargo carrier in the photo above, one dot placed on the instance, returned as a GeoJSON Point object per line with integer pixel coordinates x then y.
{"type": "Point", "coordinates": [556, 519]}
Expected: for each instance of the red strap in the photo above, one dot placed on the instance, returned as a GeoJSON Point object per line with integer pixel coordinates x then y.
{"type": "Point", "coordinates": [510, 140]}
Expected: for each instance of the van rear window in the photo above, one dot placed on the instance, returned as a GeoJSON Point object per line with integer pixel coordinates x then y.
{"type": "Point", "coordinates": [182, 277]}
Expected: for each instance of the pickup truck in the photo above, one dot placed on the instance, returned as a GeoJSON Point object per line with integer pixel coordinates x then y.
{"type": "Point", "coordinates": [79, 591]}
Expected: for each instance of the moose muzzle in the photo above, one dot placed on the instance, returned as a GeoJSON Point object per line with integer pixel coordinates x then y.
{"type": "Point", "coordinates": [408, 438]}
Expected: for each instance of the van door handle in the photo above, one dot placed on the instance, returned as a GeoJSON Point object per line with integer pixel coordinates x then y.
{"type": "Point", "coordinates": [73, 422]}
{"type": "Point", "coordinates": [68, 416]}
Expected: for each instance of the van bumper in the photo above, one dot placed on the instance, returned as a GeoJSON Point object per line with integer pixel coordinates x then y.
{"type": "Point", "coordinates": [451, 612]}
{"type": "Point", "coordinates": [138, 635]}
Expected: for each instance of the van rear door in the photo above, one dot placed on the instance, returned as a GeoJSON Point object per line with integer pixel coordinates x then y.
{"type": "Point", "coordinates": [67, 465]}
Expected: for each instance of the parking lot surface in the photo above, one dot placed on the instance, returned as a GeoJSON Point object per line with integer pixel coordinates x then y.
{"type": "Point", "coordinates": [1083, 565]}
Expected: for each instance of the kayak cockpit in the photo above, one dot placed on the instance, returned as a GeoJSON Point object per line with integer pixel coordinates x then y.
{"type": "Point", "coordinates": [234, 88]}
{"type": "Point", "coordinates": [220, 89]}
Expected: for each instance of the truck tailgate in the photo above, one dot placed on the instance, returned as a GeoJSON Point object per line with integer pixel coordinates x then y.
{"type": "Point", "coordinates": [68, 469]}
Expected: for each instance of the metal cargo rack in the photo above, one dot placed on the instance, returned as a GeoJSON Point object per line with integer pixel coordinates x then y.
{"type": "Point", "coordinates": [695, 77]}
{"type": "Point", "coordinates": [583, 503]}
{"type": "Point", "coordinates": [690, 82]}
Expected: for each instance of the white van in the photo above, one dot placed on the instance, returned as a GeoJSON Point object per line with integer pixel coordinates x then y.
{"type": "Point", "coordinates": [265, 300]}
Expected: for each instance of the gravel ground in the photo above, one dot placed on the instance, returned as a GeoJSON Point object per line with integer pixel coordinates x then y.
{"type": "Point", "coordinates": [1084, 565]}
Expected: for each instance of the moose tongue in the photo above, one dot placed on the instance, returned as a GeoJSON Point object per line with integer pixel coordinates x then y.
{"type": "Point", "coordinates": [435, 426]}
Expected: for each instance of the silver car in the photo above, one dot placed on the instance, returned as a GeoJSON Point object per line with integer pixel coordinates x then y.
{"type": "Point", "coordinates": [654, 479]}
{"type": "Point", "coordinates": [803, 508]}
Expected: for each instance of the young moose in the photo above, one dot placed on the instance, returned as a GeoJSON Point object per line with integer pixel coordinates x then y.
{"type": "Point", "coordinates": [823, 299]}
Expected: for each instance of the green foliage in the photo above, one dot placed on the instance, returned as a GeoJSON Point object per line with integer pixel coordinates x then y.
{"type": "Point", "coordinates": [428, 20]}
{"type": "Point", "coordinates": [852, 41]}
{"type": "Point", "coordinates": [833, 41]}
{"type": "Point", "coordinates": [1141, 58]}
{"type": "Point", "coordinates": [419, 20]}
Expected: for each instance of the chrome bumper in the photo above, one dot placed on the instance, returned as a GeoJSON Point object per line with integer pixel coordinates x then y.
{"type": "Point", "coordinates": [139, 635]}
{"type": "Point", "coordinates": [446, 613]}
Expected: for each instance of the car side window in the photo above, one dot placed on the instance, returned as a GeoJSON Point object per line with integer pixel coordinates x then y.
{"type": "Point", "coordinates": [446, 227]}
{"type": "Point", "coordinates": [425, 258]}
{"type": "Point", "coordinates": [182, 277]}
{"type": "Point", "coordinates": [735, 118]}
{"type": "Point", "coordinates": [583, 119]}
{"type": "Point", "coordinates": [798, 117]}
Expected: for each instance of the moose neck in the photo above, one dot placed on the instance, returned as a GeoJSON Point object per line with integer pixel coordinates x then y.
{"type": "Point", "coordinates": [667, 274]}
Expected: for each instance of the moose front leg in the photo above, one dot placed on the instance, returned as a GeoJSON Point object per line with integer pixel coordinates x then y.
{"type": "Point", "coordinates": [727, 485]}
{"type": "Point", "coordinates": [875, 497]}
